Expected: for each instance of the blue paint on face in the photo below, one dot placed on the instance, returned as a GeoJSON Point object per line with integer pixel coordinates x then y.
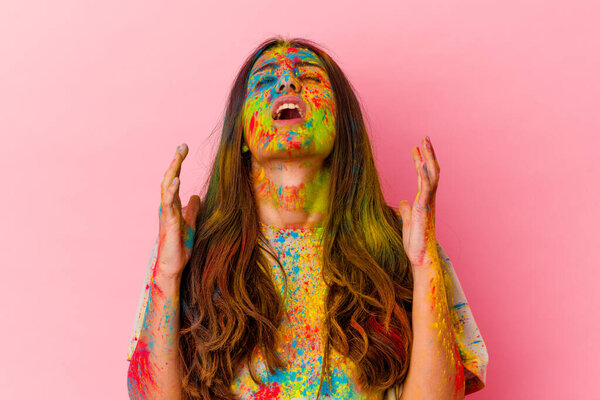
{"type": "Point", "coordinates": [284, 71]}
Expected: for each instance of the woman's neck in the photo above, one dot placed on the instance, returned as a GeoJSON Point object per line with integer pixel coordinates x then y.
{"type": "Point", "coordinates": [291, 193]}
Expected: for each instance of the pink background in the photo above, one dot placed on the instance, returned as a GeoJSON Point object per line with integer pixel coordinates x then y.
{"type": "Point", "coordinates": [94, 99]}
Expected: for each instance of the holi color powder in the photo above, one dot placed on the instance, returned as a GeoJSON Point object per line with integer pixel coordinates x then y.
{"type": "Point", "coordinates": [299, 251]}
{"type": "Point", "coordinates": [316, 133]}
{"type": "Point", "coordinates": [141, 371]}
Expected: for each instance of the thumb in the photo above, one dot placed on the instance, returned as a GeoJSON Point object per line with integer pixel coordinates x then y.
{"type": "Point", "coordinates": [405, 213]}
{"type": "Point", "coordinates": [191, 211]}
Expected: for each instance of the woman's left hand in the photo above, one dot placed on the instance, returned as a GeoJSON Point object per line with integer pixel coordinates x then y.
{"type": "Point", "coordinates": [418, 222]}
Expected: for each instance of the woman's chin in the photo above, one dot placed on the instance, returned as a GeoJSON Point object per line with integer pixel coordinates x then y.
{"type": "Point", "coordinates": [291, 151]}
{"type": "Point", "coordinates": [293, 141]}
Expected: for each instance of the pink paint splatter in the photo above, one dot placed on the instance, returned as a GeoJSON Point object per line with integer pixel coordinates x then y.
{"type": "Point", "coordinates": [139, 375]}
{"type": "Point", "coordinates": [268, 392]}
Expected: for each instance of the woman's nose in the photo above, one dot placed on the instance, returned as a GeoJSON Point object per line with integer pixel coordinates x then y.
{"type": "Point", "coordinates": [288, 82]}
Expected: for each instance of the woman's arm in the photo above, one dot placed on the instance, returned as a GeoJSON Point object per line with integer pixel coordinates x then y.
{"type": "Point", "coordinates": [435, 370]}
{"type": "Point", "coordinates": [155, 370]}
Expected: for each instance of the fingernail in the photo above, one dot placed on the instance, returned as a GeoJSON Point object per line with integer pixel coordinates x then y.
{"type": "Point", "coordinates": [174, 181]}
{"type": "Point", "coordinates": [180, 148]}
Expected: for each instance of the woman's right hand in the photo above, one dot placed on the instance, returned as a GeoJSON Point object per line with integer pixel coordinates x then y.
{"type": "Point", "coordinates": [177, 225]}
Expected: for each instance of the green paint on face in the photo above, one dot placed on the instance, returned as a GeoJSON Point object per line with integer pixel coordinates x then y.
{"type": "Point", "coordinates": [299, 75]}
{"type": "Point", "coordinates": [311, 196]}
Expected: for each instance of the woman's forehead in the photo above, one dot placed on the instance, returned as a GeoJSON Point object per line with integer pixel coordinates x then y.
{"type": "Point", "coordinates": [286, 55]}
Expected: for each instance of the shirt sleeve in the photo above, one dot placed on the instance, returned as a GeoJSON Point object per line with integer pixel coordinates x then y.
{"type": "Point", "coordinates": [471, 346]}
{"type": "Point", "coordinates": [143, 302]}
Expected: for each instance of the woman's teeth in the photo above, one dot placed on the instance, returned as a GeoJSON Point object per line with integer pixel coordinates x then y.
{"type": "Point", "coordinates": [286, 106]}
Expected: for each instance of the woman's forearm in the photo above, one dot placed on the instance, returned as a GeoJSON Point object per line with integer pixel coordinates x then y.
{"type": "Point", "coordinates": [154, 370]}
{"type": "Point", "coordinates": [435, 370]}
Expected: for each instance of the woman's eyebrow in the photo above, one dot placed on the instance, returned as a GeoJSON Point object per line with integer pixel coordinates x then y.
{"type": "Point", "coordinates": [274, 64]}
{"type": "Point", "coordinates": [309, 64]}
{"type": "Point", "coordinates": [271, 64]}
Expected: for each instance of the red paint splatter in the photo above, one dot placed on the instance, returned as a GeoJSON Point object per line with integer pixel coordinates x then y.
{"type": "Point", "coordinates": [312, 335]}
{"type": "Point", "coordinates": [268, 392]}
{"type": "Point", "coordinates": [252, 123]}
{"type": "Point", "coordinates": [459, 378]}
{"type": "Point", "coordinates": [316, 101]}
{"type": "Point", "coordinates": [392, 335]}
{"type": "Point", "coordinates": [156, 291]}
{"type": "Point", "coordinates": [432, 294]}
{"type": "Point", "coordinates": [139, 375]}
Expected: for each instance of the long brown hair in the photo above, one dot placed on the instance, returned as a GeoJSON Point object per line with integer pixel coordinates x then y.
{"type": "Point", "coordinates": [230, 305]}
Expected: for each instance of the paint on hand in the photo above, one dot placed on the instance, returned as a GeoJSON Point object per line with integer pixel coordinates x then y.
{"type": "Point", "coordinates": [143, 370]}
{"type": "Point", "coordinates": [140, 379]}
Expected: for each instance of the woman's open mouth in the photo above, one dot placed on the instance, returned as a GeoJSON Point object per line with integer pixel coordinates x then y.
{"type": "Point", "coordinates": [288, 110]}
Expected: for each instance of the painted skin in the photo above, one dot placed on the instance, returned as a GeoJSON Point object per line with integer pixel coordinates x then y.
{"type": "Point", "coordinates": [297, 151]}
{"type": "Point", "coordinates": [301, 344]}
{"type": "Point", "coordinates": [432, 319]}
{"type": "Point", "coordinates": [293, 153]}
{"type": "Point", "coordinates": [289, 71]}
{"type": "Point", "coordinates": [290, 183]}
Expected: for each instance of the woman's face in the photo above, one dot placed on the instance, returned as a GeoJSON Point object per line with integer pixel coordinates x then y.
{"type": "Point", "coordinates": [290, 107]}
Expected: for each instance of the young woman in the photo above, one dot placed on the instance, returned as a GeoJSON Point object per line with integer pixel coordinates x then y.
{"type": "Point", "coordinates": [292, 278]}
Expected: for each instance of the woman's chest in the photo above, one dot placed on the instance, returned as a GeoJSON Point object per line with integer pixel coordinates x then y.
{"type": "Point", "coordinates": [301, 336]}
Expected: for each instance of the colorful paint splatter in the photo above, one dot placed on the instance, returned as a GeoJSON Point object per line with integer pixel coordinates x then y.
{"type": "Point", "coordinates": [315, 135]}
{"type": "Point", "coordinates": [301, 333]}
{"type": "Point", "coordinates": [298, 251]}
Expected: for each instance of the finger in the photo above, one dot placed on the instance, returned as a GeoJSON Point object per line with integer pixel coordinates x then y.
{"type": "Point", "coordinates": [189, 227]}
{"type": "Point", "coordinates": [183, 151]}
{"type": "Point", "coordinates": [415, 155]}
{"type": "Point", "coordinates": [169, 209]}
{"type": "Point", "coordinates": [405, 212]}
{"type": "Point", "coordinates": [433, 168]}
{"type": "Point", "coordinates": [423, 195]}
{"type": "Point", "coordinates": [191, 210]}
{"type": "Point", "coordinates": [426, 173]}
{"type": "Point", "coordinates": [433, 153]}
{"type": "Point", "coordinates": [176, 198]}
{"type": "Point", "coordinates": [175, 167]}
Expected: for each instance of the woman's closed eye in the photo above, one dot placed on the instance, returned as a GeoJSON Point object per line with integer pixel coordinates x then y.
{"type": "Point", "coordinates": [265, 80]}
{"type": "Point", "coordinates": [312, 77]}
{"type": "Point", "coordinates": [270, 79]}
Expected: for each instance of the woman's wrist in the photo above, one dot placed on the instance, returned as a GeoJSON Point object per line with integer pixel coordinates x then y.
{"type": "Point", "coordinates": [428, 265]}
{"type": "Point", "coordinates": [166, 279]}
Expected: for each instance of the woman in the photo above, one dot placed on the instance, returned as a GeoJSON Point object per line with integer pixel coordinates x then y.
{"type": "Point", "coordinates": [293, 278]}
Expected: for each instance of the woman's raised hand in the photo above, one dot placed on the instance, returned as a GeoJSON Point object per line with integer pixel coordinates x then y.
{"type": "Point", "coordinates": [177, 225]}
{"type": "Point", "coordinates": [418, 227]}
